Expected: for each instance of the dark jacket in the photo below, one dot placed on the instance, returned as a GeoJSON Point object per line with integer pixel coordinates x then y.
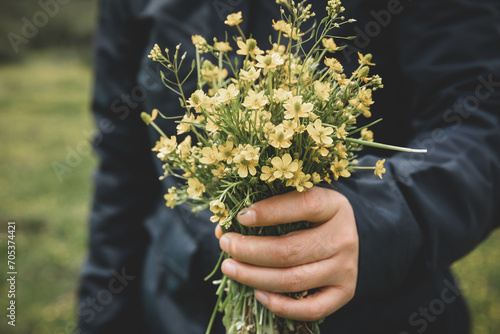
{"type": "Point", "coordinates": [440, 62]}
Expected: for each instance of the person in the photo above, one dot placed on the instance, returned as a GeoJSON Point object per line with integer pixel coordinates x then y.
{"type": "Point", "coordinates": [380, 250]}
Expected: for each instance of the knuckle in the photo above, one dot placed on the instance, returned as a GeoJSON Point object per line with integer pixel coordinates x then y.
{"type": "Point", "coordinates": [348, 291]}
{"type": "Point", "coordinates": [292, 280]}
{"type": "Point", "coordinates": [286, 252]}
{"type": "Point", "coordinates": [317, 312]}
{"type": "Point", "coordinates": [313, 201]}
{"type": "Point", "coordinates": [277, 308]}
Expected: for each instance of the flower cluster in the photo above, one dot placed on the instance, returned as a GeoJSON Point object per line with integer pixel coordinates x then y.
{"type": "Point", "coordinates": [282, 121]}
{"type": "Point", "coordinates": [265, 120]}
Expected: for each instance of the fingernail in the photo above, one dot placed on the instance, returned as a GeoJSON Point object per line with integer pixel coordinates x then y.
{"type": "Point", "coordinates": [224, 243]}
{"type": "Point", "coordinates": [247, 217]}
{"type": "Point", "coordinates": [228, 268]}
{"type": "Point", "coordinates": [262, 296]}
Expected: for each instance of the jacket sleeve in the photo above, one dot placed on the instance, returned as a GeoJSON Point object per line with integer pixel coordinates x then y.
{"type": "Point", "coordinates": [126, 184]}
{"type": "Point", "coordinates": [431, 209]}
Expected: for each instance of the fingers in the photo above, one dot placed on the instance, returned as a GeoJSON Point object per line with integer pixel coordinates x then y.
{"type": "Point", "coordinates": [338, 270]}
{"type": "Point", "coordinates": [293, 249]}
{"type": "Point", "coordinates": [315, 205]}
{"type": "Point", "coordinates": [311, 308]}
{"type": "Point", "coordinates": [324, 256]}
{"type": "Point", "coordinates": [218, 231]}
{"type": "Point", "coordinates": [297, 248]}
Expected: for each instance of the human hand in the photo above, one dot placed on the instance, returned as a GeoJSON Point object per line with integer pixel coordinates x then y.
{"type": "Point", "coordinates": [325, 256]}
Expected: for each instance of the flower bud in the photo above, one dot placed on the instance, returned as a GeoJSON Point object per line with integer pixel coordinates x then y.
{"type": "Point", "coordinates": [363, 72]}
{"type": "Point", "coordinates": [146, 118]}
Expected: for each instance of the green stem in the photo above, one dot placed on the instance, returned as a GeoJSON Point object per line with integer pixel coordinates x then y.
{"type": "Point", "coordinates": [198, 71]}
{"type": "Point", "coordinates": [385, 146]}
{"type": "Point", "coordinates": [364, 127]}
{"type": "Point", "coordinates": [216, 266]}
{"type": "Point", "coordinates": [214, 313]}
{"type": "Point", "coordinates": [158, 129]}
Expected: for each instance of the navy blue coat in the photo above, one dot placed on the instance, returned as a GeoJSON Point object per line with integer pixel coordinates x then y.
{"type": "Point", "coordinates": [440, 62]}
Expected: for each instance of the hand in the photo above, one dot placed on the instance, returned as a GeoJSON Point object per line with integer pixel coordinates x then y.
{"type": "Point", "coordinates": [324, 256]}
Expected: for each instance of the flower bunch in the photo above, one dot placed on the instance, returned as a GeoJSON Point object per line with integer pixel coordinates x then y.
{"type": "Point", "coordinates": [285, 119]}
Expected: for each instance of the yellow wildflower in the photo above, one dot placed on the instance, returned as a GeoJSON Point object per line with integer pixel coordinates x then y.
{"type": "Point", "coordinates": [248, 48]}
{"type": "Point", "coordinates": [379, 168]}
{"type": "Point", "coordinates": [210, 72]}
{"type": "Point", "coordinates": [255, 100]}
{"type": "Point", "coordinates": [366, 59]}
{"type": "Point", "coordinates": [284, 167]}
{"type": "Point", "coordinates": [280, 49]}
{"type": "Point", "coordinates": [341, 150]}
{"type": "Point", "coordinates": [246, 159]}
{"type": "Point", "coordinates": [234, 19]}
{"type": "Point", "coordinates": [281, 137]}
{"type": "Point", "coordinates": [295, 109]}
{"type": "Point", "coordinates": [183, 126]}
{"type": "Point", "coordinates": [198, 100]}
{"type": "Point", "coordinates": [338, 168]}
{"type": "Point", "coordinates": [222, 46]}
{"type": "Point", "coordinates": [226, 152]}
{"type": "Point", "coordinates": [228, 94]}
{"type": "Point", "coordinates": [357, 104]}
{"type": "Point", "coordinates": [267, 174]}
{"type": "Point", "coordinates": [302, 182]}
{"type": "Point", "coordinates": [219, 210]}
{"type": "Point", "coordinates": [171, 197]}
{"type": "Point", "coordinates": [341, 132]}
{"type": "Point", "coordinates": [269, 62]}
{"type": "Point", "coordinates": [165, 146]}
{"type": "Point", "coordinates": [322, 90]}
{"type": "Point", "coordinates": [323, 150]}
{"type": "Point", "coordinates": [250, 75]}
{"type": "Point", "coordinates": [220, 171]}
{"type": "Point", "coordinates": [341, 79]}
{"type": "Point", "coordinates": [281, 95]}
{"type": "Point", "coordinates": [334, 65]}
{"type": "Point", "coordinates": [217, 206]}
{"type": "Point", "coordinates": [184, 148]}
{"type": "Point", "coordinates": [281, 25]}
{"type": "Point", "coordinates": [199, 42]}
{"type": "Point", "coordinates": [211, 126]}
{"type": "Point", "coordinates": [290, 124]}
{"type": "Point", "coordinates": [316, 178]}
{"type": "Point", "coordinates": [365, 96]}
{"type": "Point", "coordinates": [293, 32]}
{"type": "Point", "coordinates": [319, 133]}
{"type": "Point", "coordinates": [367, 135]}
{"type": "Point", "coordinates": [209, 155]}
{"type": "Point", "coordinates": [329, 44]}
{"type": "Point", "coordinates": [200, 119]}
{"type": "Point", "coordinates": [195, 188]}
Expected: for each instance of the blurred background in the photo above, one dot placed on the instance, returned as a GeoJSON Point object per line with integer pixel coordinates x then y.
{"type": "Point", "coordinates": [46, 169]}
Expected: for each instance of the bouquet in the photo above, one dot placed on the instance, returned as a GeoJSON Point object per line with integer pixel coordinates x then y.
{"type": "Point", "coordinates": [283, 119]}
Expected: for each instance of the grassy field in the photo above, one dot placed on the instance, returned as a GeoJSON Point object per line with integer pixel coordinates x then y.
{"type": "Point", "coordinates": [44, 109]}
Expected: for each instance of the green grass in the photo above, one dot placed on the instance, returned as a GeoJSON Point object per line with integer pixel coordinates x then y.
{"type": "Point", "coordinates": [44, 109]}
